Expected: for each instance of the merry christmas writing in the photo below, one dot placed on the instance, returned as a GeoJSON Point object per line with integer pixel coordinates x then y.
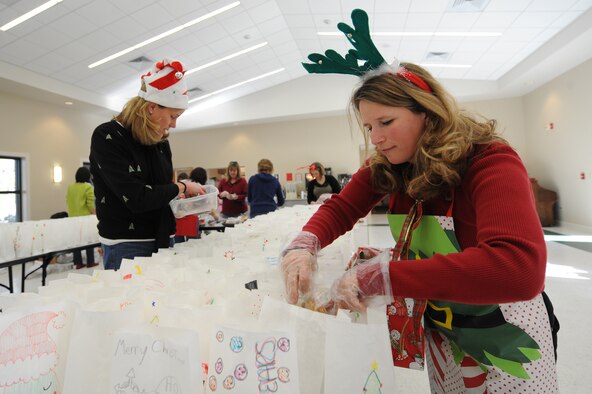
{"type": "Point", "coordinates": [141, 351]}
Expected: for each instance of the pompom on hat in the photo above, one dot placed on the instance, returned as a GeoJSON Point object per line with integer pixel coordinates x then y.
{"type": "Point", "coordinates": [165, 85]}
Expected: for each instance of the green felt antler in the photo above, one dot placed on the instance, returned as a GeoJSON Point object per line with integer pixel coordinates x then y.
{"type": "Point", "coordinates": [359, 37]}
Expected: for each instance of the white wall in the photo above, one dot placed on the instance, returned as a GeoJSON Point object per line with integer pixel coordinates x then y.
{"type": "Point", "coordinates": [47, 135]}
{"type": "Point", "coordinates": [289, 145]}
{"type": "Point", "coordinates": [509, 114]}
{"type": "Point", "coordinates": [51, 134]}
{"type": "Point", "coordinates": [332, 140]}
{"type": "Point", "coordinates": [557, 157]}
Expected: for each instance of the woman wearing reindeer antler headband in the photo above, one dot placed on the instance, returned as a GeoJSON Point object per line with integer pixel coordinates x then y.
{"type": "Point", "coordinates": [470, 256]}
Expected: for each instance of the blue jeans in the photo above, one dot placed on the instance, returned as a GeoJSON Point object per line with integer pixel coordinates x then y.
{"type": "Point", "coordinates": [113, 254]}
{"type": "Point", "coordinates": [182, 238]}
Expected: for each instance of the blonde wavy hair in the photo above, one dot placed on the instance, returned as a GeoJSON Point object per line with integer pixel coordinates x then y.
{"type": "Point", "coordinates": [265, 165]}
{"type": "Point", "coordinates": [444, 148]}
{"type": "Point", "coordinates": [135, 117]}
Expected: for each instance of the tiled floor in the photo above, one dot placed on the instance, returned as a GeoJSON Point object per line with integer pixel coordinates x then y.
{"type": "Point", "coordinates": [568, 284]}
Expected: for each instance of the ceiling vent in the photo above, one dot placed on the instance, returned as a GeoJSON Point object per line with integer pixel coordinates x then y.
{"type": "Point", "coordinates": [141, 63]}
{"type": "Point", "coordinates": [194, 91]}
{"type": "Point", "coordinates": [467, 5]}
{"type": "Point", "coordinates": [437, 57]}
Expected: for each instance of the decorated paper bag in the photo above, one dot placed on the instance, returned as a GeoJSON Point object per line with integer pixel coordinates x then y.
{"type": "Point", "coordinates": [34, 343]}
{"type": "Point", "coordinates": [24, 239]}
{"type": "Point", "coordinates": [310, 329]}
{"type": "Point", "coordinates": [148, 359]}
{"type": "Point", "coordinates": [252, 362]}
{"type": "Point", "coordinates": [201, 320]}
{"type": "Point", "coordinates": [38, 235]}
{"type": "Point", "coordinates": [8, 235]}
{"type": "Point", "coordinates": [90, 354]}
{"type": "Point", "coordinates": [358, 358]}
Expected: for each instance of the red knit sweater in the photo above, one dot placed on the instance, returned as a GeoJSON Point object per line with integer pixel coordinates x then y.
{"type": "Point", "coordinates": [234, 207]}
{"type": "Point", "coordinates": [504, 253]}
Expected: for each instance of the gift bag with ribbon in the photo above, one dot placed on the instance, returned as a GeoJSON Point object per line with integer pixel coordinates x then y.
{"type": "Point", "coordinates": [404, 316]}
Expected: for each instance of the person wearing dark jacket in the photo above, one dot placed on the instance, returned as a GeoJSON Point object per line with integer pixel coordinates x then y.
{"type": "Point", "coordinates": [262, 189]}
{"type": "Point", "coordinates": [131, 164]}
{"type": "Point", "coordinates": [322, 184]}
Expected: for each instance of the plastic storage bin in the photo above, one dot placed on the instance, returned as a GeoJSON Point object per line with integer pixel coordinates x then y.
{"type": "Point", "coordinates": [182, 207]}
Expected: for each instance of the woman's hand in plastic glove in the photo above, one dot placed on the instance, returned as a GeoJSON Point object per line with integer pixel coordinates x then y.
{"type": "Point", "coordinates": [297, 267]}
{"type": "Point", "coordinates": [357, 285]}
{"type": "Point", "coordinates": [224, 194]}
{"type": "Point", "coordinates": [345, 292]}
{"type": "Point", "coordinates": [194, 189]}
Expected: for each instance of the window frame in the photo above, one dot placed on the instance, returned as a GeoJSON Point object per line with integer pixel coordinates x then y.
{"type": "Point", "coordinates": [18, 191]}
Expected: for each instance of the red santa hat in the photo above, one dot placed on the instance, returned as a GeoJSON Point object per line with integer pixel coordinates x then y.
{"type": "Point", "coordinates": [164, 85]}
{"type": "Point", "coordinates": [26, 349]}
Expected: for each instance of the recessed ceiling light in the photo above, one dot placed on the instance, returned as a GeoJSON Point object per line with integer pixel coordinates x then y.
{"type": "Point", "coordinates": [249, 49]}
{"type": "Point", "coordinates": [68, 102]}
{"type": "Point", "coordinates": [422, 33]}
{"type": "Point", "coordinates": [165, 34]}
{"type": "Point", "coordinates": [29, 14]}
{"type": "Point", "coordinates": [237, 85]}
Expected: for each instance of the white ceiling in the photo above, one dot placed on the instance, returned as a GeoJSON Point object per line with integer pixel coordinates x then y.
{"type": "Point", "coordinates": [50, 53]}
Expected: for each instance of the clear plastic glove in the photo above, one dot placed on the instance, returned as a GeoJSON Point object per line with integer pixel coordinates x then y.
{"type": "Point", "coordinates": [299, 261]}
{"type": "Point", "coordinates": [324, 197]}
{"type": "Point", "coordinates": [224, 194]}
{"type": "Point", "coordinates": [233, 196]}
{"type": "Point", "coordinates": [359, 286]}
{"type": "Point", "coordinates": [193, 189]}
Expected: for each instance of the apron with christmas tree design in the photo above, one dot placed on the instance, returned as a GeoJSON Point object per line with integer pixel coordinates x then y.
{"type": "Point", "coordinates": [470, 348]}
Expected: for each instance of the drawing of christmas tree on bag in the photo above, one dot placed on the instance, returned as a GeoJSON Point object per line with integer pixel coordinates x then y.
{"type": "Point", "coordinates": [373, 384]}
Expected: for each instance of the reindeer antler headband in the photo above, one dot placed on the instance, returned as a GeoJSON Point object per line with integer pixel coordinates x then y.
{"type": "Point", "coordinates": [359, 37]}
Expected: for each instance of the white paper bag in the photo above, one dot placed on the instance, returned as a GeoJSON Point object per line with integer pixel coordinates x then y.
{"type": "Point", "coordinates": [358, 358]}
{"type": "Point", "coordinates": [309, 328]}
{"type": "Point", "coordinates": [89, 356]}
{"type": "Point", "coordinates": [148, 359]}
{"type": "Point", "coordinates": [252, 362]}
{"type": "Point", "coordinates": [34, 342]}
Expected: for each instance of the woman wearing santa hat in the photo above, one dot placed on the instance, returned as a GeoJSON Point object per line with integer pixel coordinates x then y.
{"type": "Point", "coordinates": [131, 163]}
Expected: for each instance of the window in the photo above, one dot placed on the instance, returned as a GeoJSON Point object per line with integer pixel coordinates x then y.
{"type": "Point", "coordinates": [11, 193]}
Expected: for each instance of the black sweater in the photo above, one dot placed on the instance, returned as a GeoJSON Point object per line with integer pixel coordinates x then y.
{"type": "Point", "coordinates": [133, 186]}
{"type": "Point", "coordinates": [331, 185]}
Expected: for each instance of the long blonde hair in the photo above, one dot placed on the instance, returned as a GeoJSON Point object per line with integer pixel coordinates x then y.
{"type": "Point", "coordinates": [444, 148]}
{"type": "Point", "coordinates": [135, 116]}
